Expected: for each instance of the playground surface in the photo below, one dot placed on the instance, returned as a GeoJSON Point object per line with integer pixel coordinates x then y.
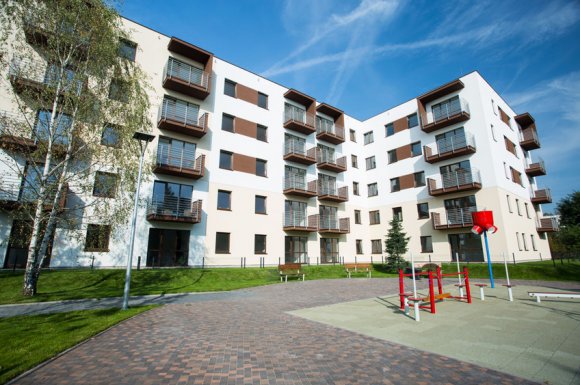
{"type": "Point", "coordinates": [537, 341]}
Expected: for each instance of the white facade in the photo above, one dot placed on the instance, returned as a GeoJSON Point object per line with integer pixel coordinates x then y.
{"type": "Point", "coordinates": [518, 236]}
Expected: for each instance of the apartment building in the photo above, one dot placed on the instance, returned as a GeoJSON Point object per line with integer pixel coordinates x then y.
{"type": "Point", "coordinates": [249, 171]}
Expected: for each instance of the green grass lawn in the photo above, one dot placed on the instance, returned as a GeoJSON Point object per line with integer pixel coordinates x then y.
{"type": "Point", "coordinates": [29, 340]}
{"type": "Point", "coordinates": [544, 271]}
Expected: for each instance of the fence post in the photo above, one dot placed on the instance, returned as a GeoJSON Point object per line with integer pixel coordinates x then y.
{"type": "Point", "coordinates": [383, 259]}
{"type": "Point", "coordinates": [278, 261]}
{"type": "Point", "coordinates": [241, 262]}
{"type": "Point", "coordinates": [540, 256]}
{"type": "Point", "coordinates": [317, 261]}
{"type": "Point", "coordinates": [138, 262]}
{"type": "Point", "coordinates": [203, 262]}
{"type": "Point", "coordinates": [355, 259]}
{"type": "Point", "coordinates": [514, 257]}
{"type": "Point", "coordinates": [371, 259]}
{"type": "Point", "coordinates": [429, 258]}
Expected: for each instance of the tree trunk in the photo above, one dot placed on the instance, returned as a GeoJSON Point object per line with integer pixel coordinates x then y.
{"type": "Point", "coordinates": [30, 281]}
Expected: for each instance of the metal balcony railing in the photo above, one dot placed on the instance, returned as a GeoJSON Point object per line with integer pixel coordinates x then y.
{"type": "Point", "coordinates": [331, 222]}
{"type": "Point", "coordinates": [181, 158]}
{"type": "Point", "coordinates": [173, 208]}
{"type": "Point", "coordinates": [37, 73]}
{"type": "Point", "coordinates": [330, 158]}
{"type": "Point", "coordinates": [182, 112]}
{"type": "Point", "coordinates": [456, 217]}
{"type": "Point", "coordinates": [446, 111]}
{"type": "Point", "coordinates": [189, 74]}
{"type": "Point", "coordinates": [10, 188]}
{"type": "Point", "coordinates": [326, 126]}
{"type": "Point", "coordinates": [529, 134]}
{"type": "Point", "coordinates": [13, 125]}
{"type": "Point", "coordinates": [296, 147]}
{"type": "Point", "coordinates": [299, 219]}
{"type": "Point", "coordinates": [455, 179]}
{"type": "Point", "coordinates": [299, 115]}
{"type": "Point", "coordinates": [452, 144]}
{"type": "Point", "coordinates": [541, 194]}
{"type": "Point", "coordinates": [539, 164]}
{"type": "Point", "coordinates": [548, 224]}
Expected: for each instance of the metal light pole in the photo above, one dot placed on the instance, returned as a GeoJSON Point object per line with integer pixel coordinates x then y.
{"type": "Point", "coordinates": [143, 139]}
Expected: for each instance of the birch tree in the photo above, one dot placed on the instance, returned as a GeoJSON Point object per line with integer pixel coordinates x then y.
{"type": "Point", "coordinates": [75, 98]}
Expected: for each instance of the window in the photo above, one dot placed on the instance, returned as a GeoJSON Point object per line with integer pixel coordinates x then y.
{"type": "Point", "coordinates": [518, 207]}
{"type": "Point", "coordinates": [412, 120]}
{"type": "Point", "coordinates": [105, 184]}
{"type": "Point", "coordinates": [509, 203]}
{"type": "Point", "coordinates": [97, 237]}
{"type": "Point", "coordinates": [259, 244]}
{"type": "Point", "coordinates": [222, 243]}
{"type": "Point", "coordinates": [533, 242]}
{"type": "Point", "coordinates": [524, 242]}
{"type": "Point", "coordinates": [389, 129]}
{"type": "Point", "coordinates": [224, 200]}
{"type": "Point", "coordinates": [230, 88]}
{"type": "Point", "coordinates": [368, 137]}
{"type": "Point", "coordinates": [355, 188]}
{"type": "Point", "coordinates": [352, 135]}
{"type": "Point", "coordinates": [171, 199]}
{"type": "Point", "coordinates": [527, 210]}
{"type": "Point", "coordinates": [395, 185]}
{"type": "Point", "coordinates": [262, 100]}
{"type": "Point", "coordinates": [228, 122]}
{"type": "Point", "coordinates": [423, 210]}
{"type": "Point", "coordinates": [354, 161]}
{"type": "Point", "coordinates": [510, 146]}
{"type": "Point", "coordinates": [373, 189]}
{"type": "Point", "coordinates": [329, 250]}
{"type": "Point", "coordinates": [262, 133]}
{"type": "Point", "coordinates": [419, 178]}
{"type": "Point", "coordinates": [416, 149]}
{"type": "Point", "coordinates": [493, 133]}
{"type": "Point", "coordinates": [119, 91]}
{"type": "Point", "coordinates": [110, 136]}
{"type": "Point", "coordinates": [398, 213]}
{"type": "Point", "coordinates": [357, 217]}
{"type": "Point", "coordinates": [426, 244]}
{"type": "Point", "coordinates": [261, 167]}
{"type": "Point", "coordinates": [371, 162]}
{"type": "Point", "coordinates": [42, 129]}
{"type": "Point", "coordinates": [359, 248]}
{"type": "Point", "coordinates": [226, 160]}
{"type": "Point", "coordinates": [376, 246]}
{"type": "Point", "coordinates": [374, 217]}
{"type": "Point", "coordinates": [516, 176]}
{"type": "Point", "coordinates": [127, 49]}
{"type": "Point", "coordinates": [260, 204]}
{"type": "Point", "coordinates": [446, 108]}
{"type": "Point", "coordinates": [518, 239]}
{"type": "Point", "coordinates": [295, 249]}
{"type": "Point", "coordinates": [176, 153]}
{"type": "Point", "coordinates": [392, 155]}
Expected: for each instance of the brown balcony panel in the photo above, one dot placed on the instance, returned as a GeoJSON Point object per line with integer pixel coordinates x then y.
{"type": "Point", "coordinates": [524, 120]}
{"type": "Point", "coordinates": [300, 158]}
{"type": "Point", "coordinates": [330, 138]}
{"type": "Point", "coordinates": [300, 192]}
{"type": "Point", "coordinates": [530, 144]}
{"type": "Point", "coordinates": [35, 35]}
{"type": "Point", "coordinates": [189, 50]}
{"type": "Point", "coordinates": [438, 225]}
{"type": "Point", "coordinates": [16, 143]}
{"type": "Point", "coordinates": [172, 218]}
{"type": "Point", "coordinates": [453, 119]}
{"type": "Point", "coordinates": [333, 231]}
{"type": "Point", "coordinates": [546, 225]}
{"type": "Point", "coordinates": [331, 167]}
{"type": "Point", "coordinates": [439, 92]}
{"type": "Point", "coordinates": [9, 205]}
{"type": "Point", "coordinates": [300, 127]}
{"type": "Point", "coordinates": [299, 97]}
{"type": "Point", "coordinates": [21, 84]}
{"type": "Point", "coordinates": [182, 128]}
{"type": "Point", "coordinates": [449, 154]}
{"type": "Point", "coordinates": [195, 90]}
{"type": "Point", "coordinates": [332, 198]}
{"type": "Point", "coordinates": [178, 171]}
{"type": "Point", "coordinates": [300, 228]}
{"type": "Point", "coordinates": [535, 169]}
{"type": "Point", "coordinates": [542, 196]}
{"type": "Point", "coordinates": [454, 189]}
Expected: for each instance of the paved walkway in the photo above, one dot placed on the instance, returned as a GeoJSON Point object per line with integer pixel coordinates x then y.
{"type": "Point", "coordinates": [248, 337]}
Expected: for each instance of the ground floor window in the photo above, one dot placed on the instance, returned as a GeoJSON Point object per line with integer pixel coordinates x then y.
{"type": "Point", "coordinates": [167, 248]}
{"type": "Point", "coordinates": [467, 246]}
{"type": "Point", "coordinates": [97, 237]}
{"type": "Point", "coordinates": [426, 244]}
{"type": "Point", "coordinates": [18, 242]}
{"type": "Point", "coordinates": [295, 249]}
{"type": "Point", "coordinates": [376, 246]}
{"type": "Point", "coordinates": [222, 243]}
{"type": "Point", "coordinates": [329, 250]}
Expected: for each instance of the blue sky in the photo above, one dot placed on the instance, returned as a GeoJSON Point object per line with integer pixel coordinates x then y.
{"type": "Point", "coordinates": [365, 56]}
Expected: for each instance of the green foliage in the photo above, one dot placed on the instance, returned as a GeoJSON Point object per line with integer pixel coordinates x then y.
{"type": "Point", "coordinates": [396, 245]}
{"type": "Point", "coordinates": [29, 340]}
{"type": "Point", "coordinates": [567, 240]}
{"type": "Point", "coordinates": [569, 209]}
{"type": "Point", "coordinates": [542, 271]}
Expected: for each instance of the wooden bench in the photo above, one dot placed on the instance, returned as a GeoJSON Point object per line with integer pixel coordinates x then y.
{"type": "Point", "coordinates": [364, 268]}
{"type": "Point", "coordinates": [291, 270]}
{"type": "Point", "coordinates": [538, 294]}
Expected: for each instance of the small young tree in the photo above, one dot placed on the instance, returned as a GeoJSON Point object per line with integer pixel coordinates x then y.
{"type": "Point", "coordinates": [396, 245]}
{"type": "Point", "coordinates": [75, 98]}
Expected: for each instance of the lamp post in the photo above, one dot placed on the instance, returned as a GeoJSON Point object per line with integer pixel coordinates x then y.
{"type": "Point", "coordinates": [143, 139]}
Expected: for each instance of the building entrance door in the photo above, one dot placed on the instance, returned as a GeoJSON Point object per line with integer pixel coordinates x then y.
{"type": "Point", "coordinates": [167, 248]}
{"type": "Point", "coordinates": [17, 253]}
{"type": "Point", "coordinates": [467, 246]}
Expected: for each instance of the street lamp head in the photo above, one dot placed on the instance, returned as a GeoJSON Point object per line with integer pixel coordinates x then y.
{"type": "Point", "coordinates": [143, 137]}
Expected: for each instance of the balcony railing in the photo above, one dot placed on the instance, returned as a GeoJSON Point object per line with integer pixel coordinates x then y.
{"type": "Point", "coordinates": [298, 120]}
{"type": "Point", "coordinates": [296, 151]}
{"type": "Point", "coordinates": [329, 131]}
{"type": "Point", "coordinates": [14, 192]}
{"type": "Point", "coordinates": [35, 75]}
{"type": "Point", "coordinates": [541, 196]}
{"type": "Point", "coordinates": [299, 186]}
{"type": "Point", "coordinates": [184, 164]}
{"type": "Point", "coordinates": [10, 188]}
{"type": "Point", "coordinates": [326, 161]}
{"type": "Point", "coordinates": [299, 221]}
{"type": "Point", "coordinates": [178, 116]}
{"type": "Point", "coordinates": [185, 78]}
{"type": "Point", "coordinates": [529, 139]}
{"type": "Point", "coordinates": [448, 114]}
{"type": "Point", "coordinates": [451, 147]}
{"type": "Point", "coordinates": [536, 169]}
{"type": "Point", "coordinates": [547, 224]}
{"type": "Point", "coordinates": [15, 133]}
{"type": "Point", "coordinates": [460, 180]}
{"type": "Point", "coordinates": [453, 218]}
{"type": "Point", "coordinates": [173, 209]}
{"type": "Point", "coordinates": [329, 192]}
{"type": "Point", "coordinates": [333, 224]}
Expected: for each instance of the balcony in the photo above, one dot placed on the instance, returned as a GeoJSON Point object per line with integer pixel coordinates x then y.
{"type": "Point", "coordinates": [449, 114]}
{"type": "Point", "coordinates": [453, 218]}
{"type": "Point", "coordinates": [185, 165]}
{"type": "Point", "coordinates": [327, 192]}
{"type": "Point", "coordinates": [12, 128]}
{"type": "Point", "coordinates": [300, 222]}
{"type": "Point", "coordinates": [191, 52]}
{"type": "Point", "coordinates": [37, 35]}
{"type": "Point", "coordinates": [299, 187]}
{"type": "Point", "coordinates": [330, 224]}
{"type": "Point", "coordinates": [541, 196]}
{"type": "Point", "coordinates": [329, 131]}
{"type": "Point", "coordinates": [172, 209]}
{"type": "Point", "coordinates": [448, 148]}
{"type": "Point", "coordinates": [14, 193]}
{"type": "Point", "coordinates": [177, 117]}
{"type": "Point", "coordinates": [324, 161]}
{"type": "Point", "coordinates": [186, 79]}
{"type": "Point", "coordinates": [296, 152]}
{"type": "Point", "coordinates": [536, 169]}
{"type": "Point", "coordinates": [548, 224]}
{"type": "Point", "coordinates": [297, 119]}
{"type": "Point", "coordinates": [456, 181]}
{"type": "Point", "coordinates": [529, 139]}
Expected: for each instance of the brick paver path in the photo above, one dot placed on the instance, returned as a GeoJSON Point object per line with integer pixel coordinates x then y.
{"type": "Point", "coordinates": [249, 338]}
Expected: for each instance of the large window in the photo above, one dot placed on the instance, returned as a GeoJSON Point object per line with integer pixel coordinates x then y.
{"type": "Point", "coordinates": [458, 210]}
{"type": "Point", "coordinates": [222, 243]}
{"type": "Point", "coordinates": [262, 100]}
{"type": "Point", "coordinates": [327, 185]}
{"type": "Point", "coordinates": [176, 153]}
{"type": "Point", "coordinates": [423, 210]}
{"type": "Point", "coordinates": [97, 237]}
{"type": "Point", "coordinates": [261, 167]}
{"type": "Point", "coordinates": [426, 244]}
{"type": "Point", "coordinates": [172, 199]}
{"type": "Point", "coordinates": [371, 162]}
{"type": "Point", "coordinates": [230, 88]}
{"type": "Point", "coordinates": [259, 244]}
{"type": "Point", "coordinates": [328, 250]}
{"type": "Point", "coordinates": [368, 137]}
{"type": "Point", "coordinates": [374, 217]}
{"type": "Point", "coordinates": [224, 200]}
{"type": "Point", "coordinates": [228, 122]}
{"type": "Point", "coordinates": [180, 111]}
{"type": "Point", "coordinates": [373, 189]}
{"type": "Point", "coordinates": [447, 108]}
{"type": "Point", "coordinates": [105, 184]}
{"type": "Point", "coordinates": [376, 246]}
{"type": "Point", "coordinates": [451, 140]}
{"type": "Point", "coordinates": [226, 160]}
{"type": "Point", "coordinates": [389, 129]}
{"type": "Point", "coordinates": [260, 204]}
{"type": "Point", "coordinates": [127, 49]}
{"type": "Point", "coordinates": [60, 129]}
{"type": "Point", "coordinates": [295, 249]}
{"type": "Point", "coordinates": [392, 156]}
